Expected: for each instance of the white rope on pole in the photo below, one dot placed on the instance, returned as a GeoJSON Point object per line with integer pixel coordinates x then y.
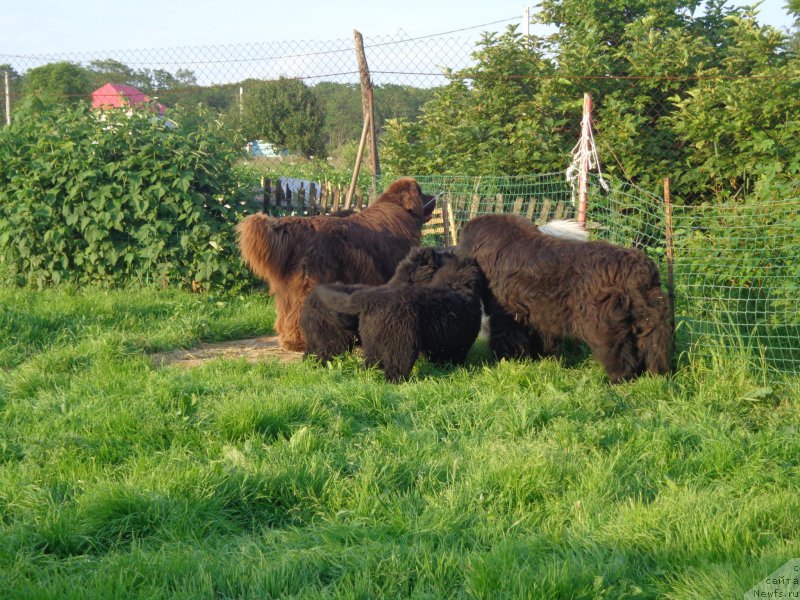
{"type": "Point", "coordinates": [584, 157]}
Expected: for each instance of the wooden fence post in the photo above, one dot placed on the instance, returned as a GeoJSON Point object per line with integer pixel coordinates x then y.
{"type": "Point", "coordinates": [301, 198]}
{"type": "Point", "coordinates": [266, 193]}
{"type": "Point", "coordinates": [670, 250]}
{"type": "Point", "coordinates": [450, 219]}
{"type": "Point", "coordinates": [583, 167]}
{"type": "Point", "coordinates": [531, 209]}
{"type": "Point", "coordinates": [8, 97]}
{"type": "Point", "coordinates": [474, 206]}
{"type": "Point", "coordinates": [279, 196]}
{"type": "Point", "coordinates": [312, 198]}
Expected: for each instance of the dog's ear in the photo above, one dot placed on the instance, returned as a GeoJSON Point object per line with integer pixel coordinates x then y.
{"type": "Point", "coordinates": [613, 305]}
{"type": "Point", "coordinates": [412, 199]}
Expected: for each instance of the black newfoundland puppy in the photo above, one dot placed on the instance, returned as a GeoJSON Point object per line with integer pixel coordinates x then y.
{"type": "Point", "coordinates": [432, 305]}
{"type": "Point", "coordinates": [542, 288]}
{"type": "Point", "coordinates": [329, 333]}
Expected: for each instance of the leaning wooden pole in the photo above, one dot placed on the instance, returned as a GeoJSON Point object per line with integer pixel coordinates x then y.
{"type": "Point", "coordinates": [359, 155]}
{"type": "Point", "coordinates": [583, 166]}
{"type": "Point", "coordinates": [368, 107]}
{"type": "Point", "coordinates": [670, 250]}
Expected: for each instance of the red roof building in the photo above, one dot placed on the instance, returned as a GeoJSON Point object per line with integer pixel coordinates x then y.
{"type": "Point", "coordinates": [115, 95]}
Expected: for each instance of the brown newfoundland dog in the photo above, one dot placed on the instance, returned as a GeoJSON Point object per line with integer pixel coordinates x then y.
{"type": "Point", "coordinates": [543, 288]}
{"type": "Point", "coordinates": [294, 254]}
{"type": "Point", "coordinates": [435, 311]}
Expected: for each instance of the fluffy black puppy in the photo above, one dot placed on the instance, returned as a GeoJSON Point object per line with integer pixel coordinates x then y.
{"type": "Point", "coordinates": [329, 333]}
{"type": "Point", "coordinates": [542, 288]}
{"type": "Point", "coordinates": [439, 316]}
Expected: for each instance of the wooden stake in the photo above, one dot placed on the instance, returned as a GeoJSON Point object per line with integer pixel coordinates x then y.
{"type": "Point", "coordinates": [8, 97]}
{"type": "Point", "coordinates": [451, 220]}
{"type": "Point", "coordinates": [368, 107]}
{"type": "Point", "coordinates": [265, 194]}
{"type": "Point", "coordinates": [583, 167]}
{"type": "Point", "coordinates": [670, 250]}
{"type": "Point", "coordinates": [357, 167]}
{"type": "Point", "coordinates": [445, 222]}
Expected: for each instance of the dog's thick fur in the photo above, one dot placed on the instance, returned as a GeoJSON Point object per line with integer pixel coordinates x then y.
{"type": "Point", "coordinates": [432, 305]}
{"type": "Point", "coordinates": [329, 333]}
{"type": "Point", "coordinates": [294, 254]}
{"type": "Point", "coordinates": [512, 339]}
{"type": "Point", "coordinates": [542, 288]}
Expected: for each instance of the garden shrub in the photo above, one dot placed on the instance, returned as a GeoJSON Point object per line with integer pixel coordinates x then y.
{"type": "Point", "coordinates": [109, 197]}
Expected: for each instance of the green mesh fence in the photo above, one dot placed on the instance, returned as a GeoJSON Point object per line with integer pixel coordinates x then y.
{"type": "Point", "coordinates": [736, 266]}
{"type": "Point", "coordinates": [622, 213]}
{"type": "Point", "coordinates": [737, 270]}
{"type": "Point", "coordinates": [540, 198]}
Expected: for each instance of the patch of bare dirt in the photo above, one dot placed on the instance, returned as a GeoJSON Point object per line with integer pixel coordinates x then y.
{"type": "Point", "coordinates": [253, 350]}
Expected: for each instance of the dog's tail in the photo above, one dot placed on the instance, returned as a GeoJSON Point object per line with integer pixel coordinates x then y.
{"type": "Point", "coordinates": [654, 328]}
{"type": "Point", "coordinates": [263, 245]}
{"type": "Point", "coordinates": [566, 229]}
{"type": "Point", "coordinates": [341, 302]}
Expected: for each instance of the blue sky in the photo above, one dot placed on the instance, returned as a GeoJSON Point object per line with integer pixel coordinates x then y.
{"type": "Point", "coordinates": [39, 27]}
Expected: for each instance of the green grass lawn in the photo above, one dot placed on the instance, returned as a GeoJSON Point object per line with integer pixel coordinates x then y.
{"type": "Point", "coordinates": [119, 479]}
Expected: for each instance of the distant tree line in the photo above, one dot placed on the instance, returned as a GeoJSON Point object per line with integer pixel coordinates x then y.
{"type": "Point", "coordinates": [307, 120]}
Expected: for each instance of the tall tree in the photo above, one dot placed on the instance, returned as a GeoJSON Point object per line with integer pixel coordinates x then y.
{"type": "Point", "coordinates": [496, 117]}
{"type": "Point", "coordinates": [341, 103]}
{"type": "Point", "coordinates": [285, 113]}
{"type": "Point", "coordinates": [60, 81]}
{"type": "Point", "coordinates": [113, 71]}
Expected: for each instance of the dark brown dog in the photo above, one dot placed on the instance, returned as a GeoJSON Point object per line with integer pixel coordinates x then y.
{"type": "Point", "coordinates": [543, 288]}
{"type": "Point", "coordinates": [432, 305]}
{"type": "Point", "coordinates": [294, 254]}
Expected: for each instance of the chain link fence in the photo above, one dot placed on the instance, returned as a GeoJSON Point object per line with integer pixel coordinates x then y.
{"type": "Point", "coordinates": [736, 263]}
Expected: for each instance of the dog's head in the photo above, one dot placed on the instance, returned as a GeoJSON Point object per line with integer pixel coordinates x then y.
{"type": "Point", "coordinates": [418, 267]}
{"type": "Point", "coordinates": [407, 194]}
{"type": "Point", "coordinates": [438, 267]}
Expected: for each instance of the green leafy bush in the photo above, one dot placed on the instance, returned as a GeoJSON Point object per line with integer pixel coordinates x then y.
{"type": "Point", "coordinates": [90, 197]}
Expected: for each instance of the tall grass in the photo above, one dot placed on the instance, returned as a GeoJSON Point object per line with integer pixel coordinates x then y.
{"type": "Point", "coordinates": [497, 480]}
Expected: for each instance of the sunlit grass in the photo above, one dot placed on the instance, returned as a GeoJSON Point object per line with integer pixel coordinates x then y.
{"type": "Point", "coordinates": [119, 479]}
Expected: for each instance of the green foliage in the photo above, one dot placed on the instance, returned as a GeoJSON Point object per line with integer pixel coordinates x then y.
{"type": "Point", "coordinates": [341, 104]}
{"type": "Point", "coordinates": [285, 113]}
{"type": "Point", "coordinates": [707, 98]}
{"type": "Point", "coordinates": [60, 81]}
{"type": "Point", "coordinates": [150, 81]}
{"type": "Point", "coordinates": [92, 197]}
{"type": "Point", "coordinates": [495, 117]}
{"type": "Point", "coordinates": [753, 148]}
